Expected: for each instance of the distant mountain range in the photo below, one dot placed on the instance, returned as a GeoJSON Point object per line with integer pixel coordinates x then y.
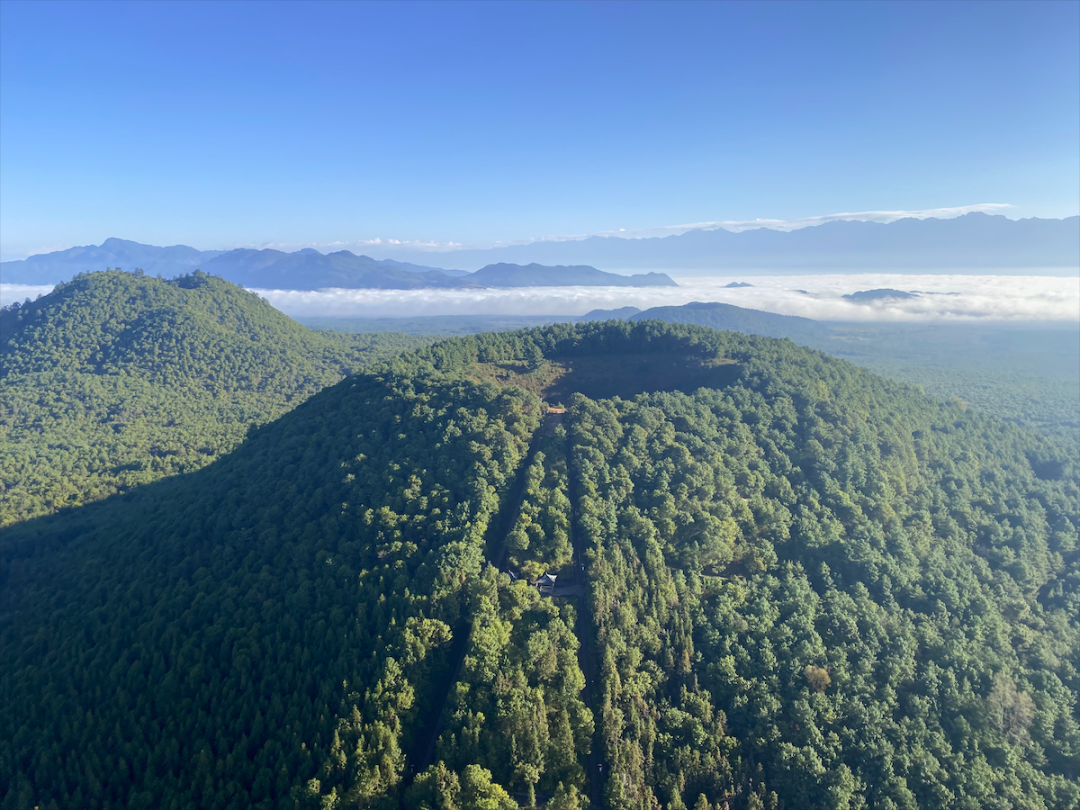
{"type": "Point", "coordinates": [53, 268]}
{"type": "Point", "coordinates": [973, 241]}
{"type": "Point", "coordinates": [310, 270]}
{"type": "Point", "coordinates": [536, 275]}
{"type": "Point", "coordinates": [306, 269]}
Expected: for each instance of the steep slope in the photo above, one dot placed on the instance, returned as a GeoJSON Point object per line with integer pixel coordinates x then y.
{"type": "Point", "coordinates": [117, 379]}
{"type": "Point", "coordinates": [536, 275]}
{"type": "Point", "coordinates": [319, 568]}
{"type": "Point", "coordinates": [806, 587]}
{"type": "Point", "coordinates": [610, 314]}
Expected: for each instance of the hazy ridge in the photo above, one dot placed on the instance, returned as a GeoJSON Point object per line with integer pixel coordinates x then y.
{"type": "Point", "coordinates": [974, 240]}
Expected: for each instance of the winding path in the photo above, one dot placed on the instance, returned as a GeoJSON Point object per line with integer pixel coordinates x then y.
{"type": "Point", "coordinates": [586, 633]}
{"type": "Point", "coordinates": [495, 552]}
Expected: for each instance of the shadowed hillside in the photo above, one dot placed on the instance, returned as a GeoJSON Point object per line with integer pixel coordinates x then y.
{"type": "Point", "coordinates": [117, 379]}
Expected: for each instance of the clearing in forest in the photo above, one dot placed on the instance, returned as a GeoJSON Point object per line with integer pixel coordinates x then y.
{"type": "Point", "coordinates": [603, 376]}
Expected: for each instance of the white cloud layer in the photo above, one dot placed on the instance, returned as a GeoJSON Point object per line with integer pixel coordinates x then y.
{"type": "Point", "coordinates": [10, 293]}
{"type": "Point", "coordinates": [943, 298]}
{"type": "Point", "coordinates": [953, 298]}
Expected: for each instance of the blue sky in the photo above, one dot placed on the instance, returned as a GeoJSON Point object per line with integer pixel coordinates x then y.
{"type": "Point", "coordinates": [220, 125]}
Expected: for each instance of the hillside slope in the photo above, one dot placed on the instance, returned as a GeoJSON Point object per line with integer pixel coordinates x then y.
{"type": "Point", "coordinates": [806, 587]}
{"type": "Point", "coordinates": [117, 379]}
{"type": "Point", "coordinates": [728, 317]}
{"type": "Point", "coordinates": [1024, 373]}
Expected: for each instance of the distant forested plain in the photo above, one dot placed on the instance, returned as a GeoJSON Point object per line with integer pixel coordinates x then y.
{"type": "Point", "coordinates": [118, 379]}
{"type": "Point", "coordinates": [1029, 375]}
{"type": "Point", "coordinates": [799, 585]}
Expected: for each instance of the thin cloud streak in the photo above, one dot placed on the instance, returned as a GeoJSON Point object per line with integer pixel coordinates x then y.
{"type": "Point", "coordinates": [943, 298]}
{"type": "Point", "coordinates": [736, 226]}
{"type": "Point", "coordinates": [861, 216]}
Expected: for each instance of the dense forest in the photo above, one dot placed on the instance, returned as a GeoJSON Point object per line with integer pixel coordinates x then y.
{"type": "Point", "coordinates": [540, 539]}
{"type": "Point", "coordinates": [805, 587]}
{"type": "Point", "coordinates": [268, 628]}
{"type": "Point", "coordinates": [117, 379]}
{"type": "Point", "coordinates": [1024, 374]}
{"type": "Point", "coordinates": [796, 604]}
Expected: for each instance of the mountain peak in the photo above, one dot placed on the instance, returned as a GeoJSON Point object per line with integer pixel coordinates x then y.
{"type": "Point", "coordinates": [114, 242]}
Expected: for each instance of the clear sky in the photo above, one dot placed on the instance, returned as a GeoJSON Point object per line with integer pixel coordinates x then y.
{"type": "Point", "coordinates": [222, 125]}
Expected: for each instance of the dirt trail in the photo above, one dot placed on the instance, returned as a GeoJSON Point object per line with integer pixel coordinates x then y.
{"type": "Point", "coordinates": [495, 551]}
{"type": "Point", "coordinates": [586, 633]}
{"type": "Point", "coordinates": [572, 587]}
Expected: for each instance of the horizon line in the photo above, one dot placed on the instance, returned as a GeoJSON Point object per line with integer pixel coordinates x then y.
{"type": "Point", "coordinates": [445, 248]}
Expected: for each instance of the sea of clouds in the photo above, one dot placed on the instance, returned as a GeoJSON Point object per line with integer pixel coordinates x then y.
{"type": "Point", "coordinates": [941, 298]}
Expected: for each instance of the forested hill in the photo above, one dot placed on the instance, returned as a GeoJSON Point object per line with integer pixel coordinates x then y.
{"type": "Point", "coordinates": [803, 587]}
{"type": "Point", "coordinates": [116, 379]}
{"type": "Point", "coordinates": [1029, 374]}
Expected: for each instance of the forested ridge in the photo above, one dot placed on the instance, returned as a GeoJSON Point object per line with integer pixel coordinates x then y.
{"type": "Point", "coordinates": [1028, 373]}
{"type": "Point", "coordinates": [1030, 376]}
{"type": "Point", "coordinates": [809, 588]}
{"type": "Point", "coordinates": [117, 379]}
